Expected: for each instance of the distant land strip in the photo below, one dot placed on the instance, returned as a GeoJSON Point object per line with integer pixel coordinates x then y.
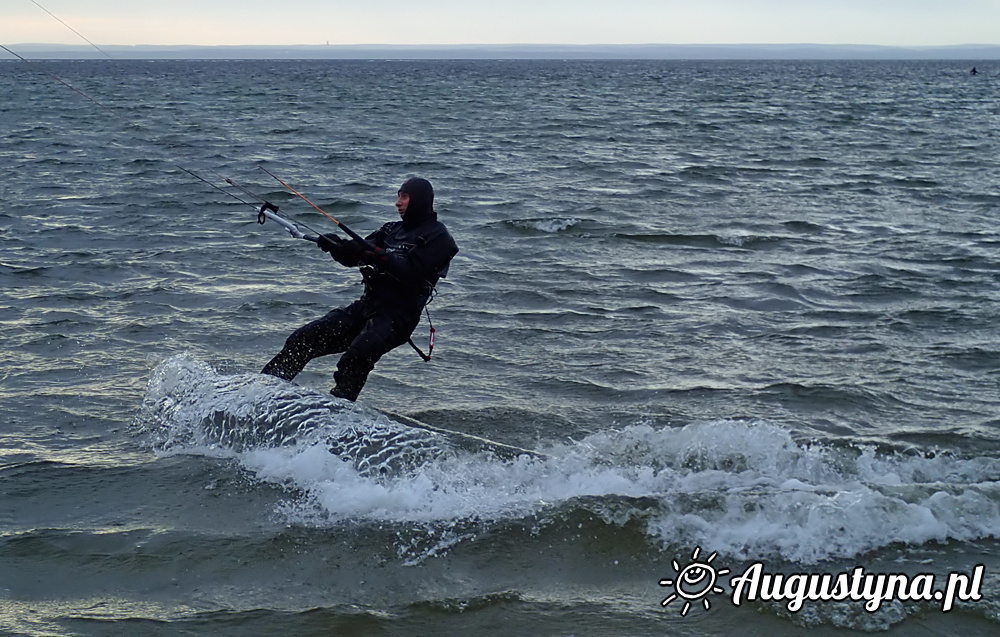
{"type": "Point", "coordinates": [970, 52]}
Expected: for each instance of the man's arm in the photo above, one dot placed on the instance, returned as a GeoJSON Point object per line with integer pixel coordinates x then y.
{"type": "Point", "coordinates": [349, 253]}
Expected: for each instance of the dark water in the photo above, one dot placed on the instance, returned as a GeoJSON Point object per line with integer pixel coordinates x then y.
{"type": "Point", "coordinates": [749, 307]}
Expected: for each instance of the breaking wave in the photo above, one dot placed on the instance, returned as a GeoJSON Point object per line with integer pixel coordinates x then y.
{"type": "Point", "coordinates": [746, 489]}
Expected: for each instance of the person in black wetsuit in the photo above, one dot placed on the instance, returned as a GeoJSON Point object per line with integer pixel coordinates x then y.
{"type": "Point", "coordinates": [399, 277]}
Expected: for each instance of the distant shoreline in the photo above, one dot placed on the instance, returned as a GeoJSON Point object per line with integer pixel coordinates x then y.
{"type": "Point", "coordinates": [972, 52]}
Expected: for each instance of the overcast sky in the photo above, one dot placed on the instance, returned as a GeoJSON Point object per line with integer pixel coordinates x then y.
{"type": "Point", "coordinates": [207, 22]}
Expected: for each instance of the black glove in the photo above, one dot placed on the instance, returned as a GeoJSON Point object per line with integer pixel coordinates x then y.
{"type": "Point", "coordinates": [329, 243]}
{"type": "Point", "coordinates": [345, 252]}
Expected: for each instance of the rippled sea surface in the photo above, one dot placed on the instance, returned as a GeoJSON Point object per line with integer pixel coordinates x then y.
{"type": "Point", "coordinates": [748, 308]}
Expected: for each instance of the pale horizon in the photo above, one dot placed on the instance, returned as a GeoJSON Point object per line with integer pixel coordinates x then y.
{"type": "Point", "coordinates": [890, 23]}
{"type": "Point", "coordinates": [970, 54]}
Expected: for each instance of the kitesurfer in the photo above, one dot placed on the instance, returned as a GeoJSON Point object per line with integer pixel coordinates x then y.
{"type": "Point", "coordinates": [399, 276]}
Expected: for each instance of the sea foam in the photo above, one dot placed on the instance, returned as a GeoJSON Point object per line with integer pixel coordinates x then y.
{"type": "Point", "coordinates": [746, 489]}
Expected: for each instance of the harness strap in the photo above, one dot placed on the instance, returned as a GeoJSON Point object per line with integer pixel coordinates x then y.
{"type": "Point", "coordinates": [430, 345]}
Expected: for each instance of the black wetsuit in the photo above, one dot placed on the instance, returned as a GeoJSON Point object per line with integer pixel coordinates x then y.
{"type": "Point", "coordinates": [399, 279]}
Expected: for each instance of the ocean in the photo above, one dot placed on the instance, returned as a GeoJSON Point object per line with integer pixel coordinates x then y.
{"type": "Point", "coordinates": [741, 313]}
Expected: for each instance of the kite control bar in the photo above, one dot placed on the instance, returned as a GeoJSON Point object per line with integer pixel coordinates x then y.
{"type": "Point", "coordinates": [269, 211]}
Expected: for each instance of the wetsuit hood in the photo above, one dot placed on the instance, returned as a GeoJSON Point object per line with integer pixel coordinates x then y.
{"type": "Point", "coordinates": [421, 206]}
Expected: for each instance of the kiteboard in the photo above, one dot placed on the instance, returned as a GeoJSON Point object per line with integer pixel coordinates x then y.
{"type": "Point", "coordinates": [189, 404]}
{"type": "Point", "coordinates": [467, 441]}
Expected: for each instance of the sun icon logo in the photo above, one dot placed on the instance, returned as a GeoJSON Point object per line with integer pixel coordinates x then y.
{"type": "Point", "coordinates": [695, 581]}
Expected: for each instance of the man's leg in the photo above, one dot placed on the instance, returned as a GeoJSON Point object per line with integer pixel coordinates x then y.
{"type": "Point", "coordinates": [380, 335]}
{"type": "Point", "coordinates": [327, 335]}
